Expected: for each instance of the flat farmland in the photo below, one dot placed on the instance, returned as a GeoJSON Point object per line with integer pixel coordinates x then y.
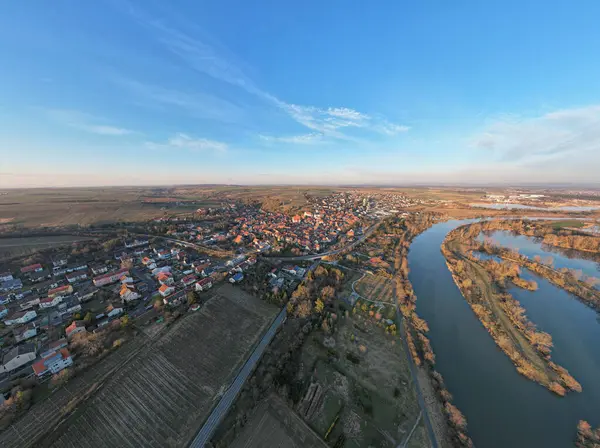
{"type": "Point", "coordinates": [162, 397]}
{"type": "Point", "coordinates": [12, 247]}
{"type": "Point", "coordinates": [375, 287]}
{"type": "Point", "coordinates": [275, 424]}
{"type": "Point", "coordinates": [43, 416]}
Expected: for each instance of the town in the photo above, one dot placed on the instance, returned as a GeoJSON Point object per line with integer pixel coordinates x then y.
{"type": "Point", "coordinates": [52, 301]}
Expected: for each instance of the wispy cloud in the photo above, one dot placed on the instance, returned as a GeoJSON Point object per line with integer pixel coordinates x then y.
{"type": "Point", "coordinates": [186, 142]}
{"type": "Point", "coordinates": [205, 58]}
{"type": "Point", "coordinates": [557, 134]}
{"type": "Point", "coordinates": [201, 105]}
{"type": "Point", "coordinates": [85, 122]}
{"type": "Point", "coordinates": [305, 139]}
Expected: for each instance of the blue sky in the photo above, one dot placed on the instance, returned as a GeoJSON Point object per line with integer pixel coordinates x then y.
{"type": "Point", "coordinates": [151, 92]}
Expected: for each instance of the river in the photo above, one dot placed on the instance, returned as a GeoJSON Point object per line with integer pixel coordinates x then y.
{"type": "Point", "coordinates": [503, 408]}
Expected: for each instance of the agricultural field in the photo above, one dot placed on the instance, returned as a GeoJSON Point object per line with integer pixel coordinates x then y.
{"type": "Point", "coordinates": [162, 397]}
{"type": "Point", "coordinates": [16, 247]}
{"type": "Point", "coordinates": [45, 414]}
{"type": "Point", "coordinates": [275, 424]}
{"type": "Point", "coordinates": [359, 388]}
{"type": "Point", "coordinates": [376, 288]}
{"type": "Point", "coordinates": [55, 207]}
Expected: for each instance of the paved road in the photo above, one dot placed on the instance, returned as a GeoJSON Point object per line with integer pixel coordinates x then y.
{"type": "Point", "coordinates": [413, 371]}
{"type": "Point", "coordinates": [219, 412]}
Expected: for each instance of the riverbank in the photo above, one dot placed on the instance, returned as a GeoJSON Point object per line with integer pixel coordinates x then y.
{"type": "Point", "coordinates": [502, 316]}
{"type": "Point", "coordinates": [564, 279]}
{"type": "Point", "coordinates": [448, 423]}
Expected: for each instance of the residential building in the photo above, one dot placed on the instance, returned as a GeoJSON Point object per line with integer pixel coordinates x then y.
{"type": "Point", "coordinates": [165, 278]}
{"type": "Point", "coordinates": [165, 290]}
{"type": "Point", "coordinates": [77, 326]}
{"type": "Point", "coordinates": [115, 311]}
{"type": "Point", "coordinates": [236, 278]}
{"type": "Point", "coordinates": [53, 363]}
{"type": "Point", "coordinates": [20, 317]}
{"type": "Point", "coordinates": [11, 285]}
{"type": "Point", "coordinates": [54, 346]}
{"type": "Point", "coordinates": [49, 302]}
{"type": "Point", "coordinates": [31, 268]}
{"type": "Point", "coordinates": [17, 357]}
{"type": "Point", "coordinates": [3, 311]}
{"type": "Point", "coordinates": [76, 276]}
{"type": "Point", "coordinates": [175, 299]}
{"type": "Point", "coordinates": [188, 280]}
{"type": "Point", "coordinates": [26, 332]}
{"type": "Point", "coordinates": [109, 278]}
{"type": "Point", "coordinates": [98, 269]}
{"type": "Point", "coordinates": [204, 284]}
{"type": "Point", "coordinates": [5, 276]}
{"type": "Point", "coordinates": [29, 303]}
{"type": "Point", "coordinates": [59, 260]}
{"type": "Point", "coordinates": [61, 291]}
{"type": "Point", "coordinates": [136, 243]}
{"type": "Point", "coordinates": [39, 276]}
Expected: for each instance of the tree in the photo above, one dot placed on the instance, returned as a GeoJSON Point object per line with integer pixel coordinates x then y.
{"type": "Point", "coordinates": [327, 293]}
{"type": "Point", "coordinates": [319, 306]}
{"type": "Point", "coordinates": [304, 309]}
{"type": "Point", "coordinates": [191, 298]}
{"type": "Point", "coordinates": [125, 321]}
{"type": "Point", "coordinates": [88, 317]}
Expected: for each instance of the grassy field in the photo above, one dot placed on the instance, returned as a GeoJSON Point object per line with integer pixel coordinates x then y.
{"type": "Point", "coordinates": [376, 287]}
{"type": "Point", "coordinates": [275, 424]}
{"type": "Point", "coordinates": [360, 390]}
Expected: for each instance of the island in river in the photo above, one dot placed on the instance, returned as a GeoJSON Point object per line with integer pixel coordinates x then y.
{"type": "Point", "coordinates": [503, 408]}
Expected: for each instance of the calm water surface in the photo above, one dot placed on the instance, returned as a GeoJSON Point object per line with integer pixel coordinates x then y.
{"type": "Point", "coordinates": [503, 408]}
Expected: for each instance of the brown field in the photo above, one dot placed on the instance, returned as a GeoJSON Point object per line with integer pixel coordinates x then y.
{"type": "Point", "coordinates": [15, 247]}
{"type": "Point", "coordinates": [376, 288]}
{"type": "Point", "coordinates": [42, 416]}
{"type": "Point", "coordinates": [162, 397]}
{"type": "Point", "coordinates": [275, 424]}
{"type": "Point", "coordinates": [165, 391]}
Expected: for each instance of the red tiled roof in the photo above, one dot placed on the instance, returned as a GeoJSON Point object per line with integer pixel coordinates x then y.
{"type": "Point", "coordinates": [31, 267]}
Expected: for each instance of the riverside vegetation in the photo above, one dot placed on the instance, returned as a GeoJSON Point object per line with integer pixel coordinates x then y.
{"type": "Point", "coordinates": [484, 286]}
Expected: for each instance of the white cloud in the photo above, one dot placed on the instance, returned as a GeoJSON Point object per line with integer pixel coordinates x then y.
{"type": "Point", "coordinates": [203, 57]}
{"type": "Point", "coordinates": [306, 139]}
{"type": "Point", "coordinates": [184, 141]}
{"type": "Point", "coordinates": [85, 122]}
{"type": "Point", "coordinates": [571, 133]}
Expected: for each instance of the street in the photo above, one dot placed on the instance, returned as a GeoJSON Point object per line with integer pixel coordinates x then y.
{"type": "Point", "coordinates": [221, 409]}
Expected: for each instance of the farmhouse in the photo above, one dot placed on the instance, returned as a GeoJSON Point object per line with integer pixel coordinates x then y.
{"type": "Point", "coordinates": [53, 363]}
{"type": "Point", "coordinates": [17, 357]}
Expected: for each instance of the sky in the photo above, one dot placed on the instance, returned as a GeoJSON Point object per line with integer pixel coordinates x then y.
{"type": "Point", "coordinates": [144, 92]}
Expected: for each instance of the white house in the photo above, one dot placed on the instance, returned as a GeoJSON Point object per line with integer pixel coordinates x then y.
{"type": "Point", "coordinates": [114, 312]}
{"type": "Point", "coordinates": [165, 290]}
{"type": "Point", "coordinates": [49, 302]}
{"type": "Point", "coordinates": [17, 357]}
{"type": "Point", "coordinates": [53, 363]}
{"type": "Point", "coordinates": [24, 333]}
{"type": "Point", "coordinates": [21, 317]}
